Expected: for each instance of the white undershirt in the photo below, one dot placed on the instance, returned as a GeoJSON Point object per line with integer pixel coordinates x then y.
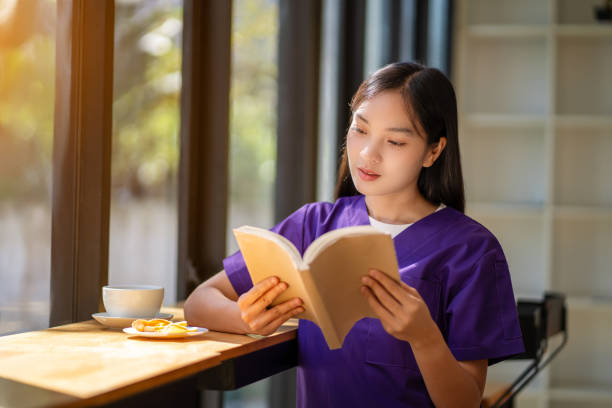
{"type": "Point", "coordinates": [393, 229]}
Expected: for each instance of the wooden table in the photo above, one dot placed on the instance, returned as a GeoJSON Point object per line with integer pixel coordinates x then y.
{"type": "Point", "coordinates": [87, 364]}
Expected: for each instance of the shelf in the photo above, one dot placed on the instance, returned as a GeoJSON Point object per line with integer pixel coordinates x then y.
{"type": "Point", "coordinates": [506, 12]}
{"type": "Point", "coordinates": [574, 212]}
{"type": "Point", "coordinates": [586, 359]}
{"type": "Point", "coordinates": [499, 81]}
{"type": "Point", "coordinates": [582, 257]}
{"type": "Point", "coordinates": [490, 158]}
{"type": "Point", "coordinates": [530, 31]}
{"type": "Point", "coordinates": [583, 168]}
{"type": "Point", "coordinates": [506, 31]}
{"type": "Point", "coordinates": [589, 303]}
{"type": "Point", "coordinates": [577, 11]}
{"type": "Point", "coordinates": [488, 120]}
{"type": "Point", "coordinates": [583, 121]}
{"type": "Point", "coordinates": [578, 393]}
{"type": "Point", "coordinates": [578, 30]}
{"type": "Point", "coordinates": [584, 66]}
{"type": "Point", "coordinates": [537, 31]}
{"type": "Point", "coordinates": [534, 81]}
{"type": "Point", "coordinates": [505, 210]}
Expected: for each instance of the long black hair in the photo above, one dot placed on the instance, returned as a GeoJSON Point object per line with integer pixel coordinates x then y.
{"type": "Point", "coordinates": [429, 98]}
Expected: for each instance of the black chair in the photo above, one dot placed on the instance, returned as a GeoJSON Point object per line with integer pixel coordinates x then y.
{"type": "Point", "coordinates": [539, 320]}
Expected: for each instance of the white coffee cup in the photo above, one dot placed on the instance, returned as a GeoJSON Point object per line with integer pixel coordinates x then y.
{"type": "Point", "coordinates": [143, 301]}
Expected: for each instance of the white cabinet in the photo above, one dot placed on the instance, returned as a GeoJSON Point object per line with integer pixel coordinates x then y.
{"type": "Point", "coordinates": [534, 86]}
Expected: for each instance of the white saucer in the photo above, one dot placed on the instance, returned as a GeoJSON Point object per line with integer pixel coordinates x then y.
{"type": "Point", "coordinates": [121, 322]}
{"type": "Point", "coordinates": [161, 335]}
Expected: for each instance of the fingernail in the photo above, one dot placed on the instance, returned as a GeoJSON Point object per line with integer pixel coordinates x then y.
{"type": "Point", "coordinates": [365, 279]}
{"type": "Point", "coordinates": [372, 272]}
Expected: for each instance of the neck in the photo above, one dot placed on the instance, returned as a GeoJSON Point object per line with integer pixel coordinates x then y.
{"type": "Point", "coordinates": [398, 208]}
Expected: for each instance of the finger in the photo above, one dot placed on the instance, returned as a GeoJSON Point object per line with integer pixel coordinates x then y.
{"type": "Point", "coordinates": [264, 319]}
{"type": "Point", "coordinates": [257, 291]}
{"type": "Point", "coordinates": [262, 303]}
{"type": "Point", "coordinates": [394, 287]}
{"type": "Point", "coordinates": [411, 291]}
{"type": "Point", "coordinates": [383, 296]}
{"type": "Point", "coordinates": [275, 324]}
{"type": "Point", "coordinates": [378, 308]}
{"type": "Point", "coordinates": [270, 325]}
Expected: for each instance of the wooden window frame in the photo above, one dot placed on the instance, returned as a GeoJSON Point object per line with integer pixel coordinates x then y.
{"type": "Point", "coordinates": [203, 170]}
{"type": "Point", "coordinates": [81, 158]}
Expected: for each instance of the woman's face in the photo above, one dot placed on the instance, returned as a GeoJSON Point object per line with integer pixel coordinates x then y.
{"type": "Point", "coordinates": [385, 151]}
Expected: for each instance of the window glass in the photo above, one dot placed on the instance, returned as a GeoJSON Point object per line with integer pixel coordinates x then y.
{"type": "Point", "coordinates": [253, 115]}
{"type": "Point", "coordinates": [146, 117]}
{"type": "Point", "coordinates": [27, 79]}
{"type": "Point", "coordinates": [252, 138]}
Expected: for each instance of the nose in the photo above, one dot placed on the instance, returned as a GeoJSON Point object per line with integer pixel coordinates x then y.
{"type": "Point", "coordinates": [370, 153]}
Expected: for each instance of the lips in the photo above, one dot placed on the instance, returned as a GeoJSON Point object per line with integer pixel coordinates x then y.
{"type": "Point", "coordinates": [367, 175]}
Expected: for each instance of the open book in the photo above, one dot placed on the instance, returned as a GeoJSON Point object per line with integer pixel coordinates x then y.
{"type": "Point", "coordinates": [328, 278]}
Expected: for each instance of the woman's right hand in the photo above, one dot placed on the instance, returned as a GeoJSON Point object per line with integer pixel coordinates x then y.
{"type": "Point", "coordinates": [254, 304]}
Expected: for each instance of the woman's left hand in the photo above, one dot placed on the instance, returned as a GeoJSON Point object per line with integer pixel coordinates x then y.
{"type": "Point", "coordinates": [401, 309]}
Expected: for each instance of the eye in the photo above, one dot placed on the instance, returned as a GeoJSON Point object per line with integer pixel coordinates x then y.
{"type": "Point", "coordinates": [358, 130]}
{"type": "Point", "coordinates": [394, 143]}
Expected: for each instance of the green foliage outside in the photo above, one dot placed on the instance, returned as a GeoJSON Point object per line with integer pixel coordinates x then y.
{"type": "Point", "coordinates": [146, 103]}
{"type": "Point", "coordinates": [146, 109]}
{"type": "Point", "coordinates": [146, 118]}
{"type": "Point", "coordinates": [27, 86]}
{"type": "Point", "coordinates": [253, 101]}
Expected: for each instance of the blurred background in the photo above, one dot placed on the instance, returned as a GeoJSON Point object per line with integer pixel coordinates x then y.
{"type": "Point", "coordinates": [535, 110]}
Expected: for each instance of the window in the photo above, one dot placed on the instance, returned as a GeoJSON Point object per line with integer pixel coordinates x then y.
{"type": "Point", "coordinates": [27, 78]}
{"type": "Point", "coordinates": [253, 115]}
{"type": "Point", "coordinates": [252, 157]}
{"type": "Point", "coordinates": [146, 118]}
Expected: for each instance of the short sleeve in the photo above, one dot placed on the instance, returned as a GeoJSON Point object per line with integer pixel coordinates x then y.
{"type": "Point", "coordinates": [481, 315]}
{"type": "Point", "coordinates": [291, 228]}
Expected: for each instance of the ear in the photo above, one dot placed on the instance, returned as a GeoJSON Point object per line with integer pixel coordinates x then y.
{"type": "Point", "coordinates": [434, 152]}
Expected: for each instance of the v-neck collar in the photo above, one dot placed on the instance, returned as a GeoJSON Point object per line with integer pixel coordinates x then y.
{"type": "Point", "coordinates": [412, 237]}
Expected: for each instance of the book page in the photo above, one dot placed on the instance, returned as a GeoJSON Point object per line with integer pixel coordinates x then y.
{"type": "Point", "coordinates": [280, 240]}
{"type": "Point", "coordinates": [330, 237]}
{"type": "Point", "coordinates": [337, 271]}
{"type": "Point", "coordinates": [266, 255]}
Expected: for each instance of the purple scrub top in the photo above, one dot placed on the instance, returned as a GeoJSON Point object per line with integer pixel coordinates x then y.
{"type": "Point", "coordinates": [459, 269]}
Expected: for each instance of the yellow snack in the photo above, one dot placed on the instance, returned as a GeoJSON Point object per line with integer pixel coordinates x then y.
{"type": "Point", "coordinates": [174, 328]}
{"type": "Point", "coordinates": [162, 326]}
{"type": "Point", "coordinates": [180, 327]}
{"type": "Point", "coordinates": [150, 325]}
{"type": "Point", "coordinates": [139, 324]}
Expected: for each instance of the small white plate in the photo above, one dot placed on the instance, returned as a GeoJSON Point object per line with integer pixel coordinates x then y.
{"type": "Point", "coordinates": [161, 335]}
{"type": "Point", "coordinates": [121, 322]}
